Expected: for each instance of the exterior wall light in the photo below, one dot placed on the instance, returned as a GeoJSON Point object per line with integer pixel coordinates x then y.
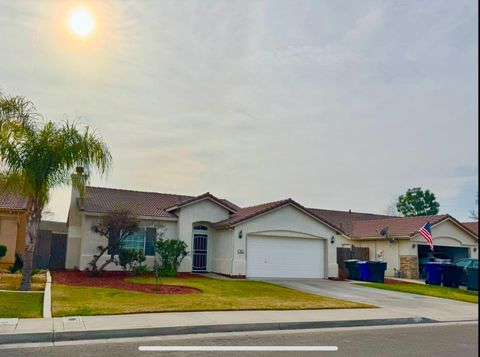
{"type": "Point", "coordinates": [414, 245]}
{"type": "Point", "coordinates": [332, 240]}
{"type": "Point", "coordinates": [240, 234]}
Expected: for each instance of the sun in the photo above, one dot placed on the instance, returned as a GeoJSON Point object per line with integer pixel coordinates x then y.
{"type": "Point", "coordinates": [82, 22]}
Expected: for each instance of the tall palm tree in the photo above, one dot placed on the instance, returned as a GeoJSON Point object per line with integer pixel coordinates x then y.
{"type": "Point", "coordinates": [37, 156]}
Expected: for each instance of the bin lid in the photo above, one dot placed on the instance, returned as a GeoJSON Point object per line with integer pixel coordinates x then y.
{"type": "Point", "coordinates": [351, 260]}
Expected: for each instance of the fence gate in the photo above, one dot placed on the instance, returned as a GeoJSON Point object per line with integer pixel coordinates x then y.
{"type": "Point", "coordinates": [349, 253]}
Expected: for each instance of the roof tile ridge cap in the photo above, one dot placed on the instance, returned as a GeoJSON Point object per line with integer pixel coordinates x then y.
{"type": "Point", "coordinates": [138, 191]}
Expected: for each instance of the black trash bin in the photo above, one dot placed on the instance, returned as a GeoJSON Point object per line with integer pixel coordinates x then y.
{"type": "Point", "coordinates": [452, 275]}
{"type": "Point", "coordinates": [377, 271]}
{"type": "Point", "coordinates": [472, 279]}
{"type": "Point", "coordinates": [353, 270]}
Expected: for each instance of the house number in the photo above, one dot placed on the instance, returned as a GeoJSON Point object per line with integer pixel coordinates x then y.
{"type": "Point", "coordinates": [241, 251]}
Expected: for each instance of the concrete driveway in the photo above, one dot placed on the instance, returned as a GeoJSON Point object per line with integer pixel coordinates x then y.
{"type": "Point", "coordinates": [401, 304]}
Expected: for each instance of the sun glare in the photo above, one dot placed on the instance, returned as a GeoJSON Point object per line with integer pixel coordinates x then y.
{"type": "Point", "coordinates": [82, 22]}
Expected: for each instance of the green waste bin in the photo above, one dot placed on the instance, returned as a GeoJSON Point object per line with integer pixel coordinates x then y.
{"type": "Point", "coordinates": [472, 279]}
{"type": "Point", "coordinates": [353, 270]}
{"type": "Point", "coordinates": [452, 275]}
{"type": "Point", "coordinates": [377, 271]}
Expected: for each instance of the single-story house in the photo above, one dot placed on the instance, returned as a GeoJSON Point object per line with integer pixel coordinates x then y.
{"type": "Point", "coordinates": [275, 239]}
{"type": "Point", "coordinates": [13, 223]}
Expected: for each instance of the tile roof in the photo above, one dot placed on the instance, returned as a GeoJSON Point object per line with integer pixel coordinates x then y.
{"type": "Point", "coordinates": [227, 204]}
{"type": "Point", "coordinates": [12, 201]}
{"type": "Point", "coordinates": [343, 219]}
{"type": "Point", "coordinates": [151, 204]}
{"type": "Point", "coordinates": [397, 226]}
{"type": "Point", "coordinates": [102, 200]}
{"type": "Point", "coordinates": [249, 212]}
{"type": "Point", "coordinates": [473, 226]}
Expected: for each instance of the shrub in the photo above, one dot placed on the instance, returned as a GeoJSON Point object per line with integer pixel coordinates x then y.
{"type": "Point", "coordinates": [3, 251]}
{"type": "Point", "coordinates": [171, 253]}
{"type": "Point", "coordinates": [131, 260]}
{"type": "Point", "coordinates": [18, 265]}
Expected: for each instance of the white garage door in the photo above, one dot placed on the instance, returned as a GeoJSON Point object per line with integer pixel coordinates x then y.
{"type": "Point", "coordinates": [278, 257]}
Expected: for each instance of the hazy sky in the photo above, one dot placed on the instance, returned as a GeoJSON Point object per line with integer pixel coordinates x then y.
{"type": "Point", "coordinates": [336, 104]}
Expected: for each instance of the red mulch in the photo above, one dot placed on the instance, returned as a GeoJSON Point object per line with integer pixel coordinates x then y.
{"type": "Point", "coordinates": [116, 280]}
{"type": "Point", "coordinates": [395, 281]}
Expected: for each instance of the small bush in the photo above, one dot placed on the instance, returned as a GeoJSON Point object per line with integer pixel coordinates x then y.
{"type": "Point", "coordinates": [131, 260]}
{"type": "Point", "coordinates": [18, 265]}
{"type": "Point", "coordinates": [171, 253]}
{"type": "Point", "coordinates": [3, 251]}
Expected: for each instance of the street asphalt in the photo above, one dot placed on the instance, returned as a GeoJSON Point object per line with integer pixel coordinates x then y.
{"type": "Point", "coordinates": [417, 340]}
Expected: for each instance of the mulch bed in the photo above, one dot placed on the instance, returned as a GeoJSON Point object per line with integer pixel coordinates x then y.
{"type": "Point", "coordinates": [116, 280]}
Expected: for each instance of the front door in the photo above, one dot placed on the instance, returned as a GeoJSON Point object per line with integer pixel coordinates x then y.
{"type": "Point", "coordinates": [199, 256]}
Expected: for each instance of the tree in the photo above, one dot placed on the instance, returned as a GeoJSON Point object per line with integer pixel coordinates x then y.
{"type": "Point", "coordinates": [474, 212]}
{"type": "Point", "coordinates": [416, 202]}
{"type": "Point", "coordinates": [38, 155]}
{"type": "Point", "coordinates": [115, 226]}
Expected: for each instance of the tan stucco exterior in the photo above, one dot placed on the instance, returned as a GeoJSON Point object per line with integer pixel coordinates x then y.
{"type": "Point", "coordinates": [12, 235]}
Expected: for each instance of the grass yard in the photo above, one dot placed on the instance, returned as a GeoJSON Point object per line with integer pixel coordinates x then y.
{"type": "Point", "coordinates": [10, 281]}
{"type": "Point", "coordinates": [16, 304]}
{"type": "Point", "coordinates": [216, 295]}
{"type": "Point", "coordinates": [430, 290]}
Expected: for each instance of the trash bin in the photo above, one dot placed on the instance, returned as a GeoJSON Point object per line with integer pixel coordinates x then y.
{"type": "Point", "coordinates": [472, 279]}
{"type": "Point", "coordinates": [353, 272]}
{"type": "Point", "coordinates": [377, 271]}
{"type": "Point", "coordinates": [452, 275]}
{"type": "Point", "coordinates": [364, 271]}
{"type": "Point", "coordinates": [434, 273]}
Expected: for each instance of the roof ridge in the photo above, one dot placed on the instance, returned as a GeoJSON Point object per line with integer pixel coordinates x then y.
{"type": "Point", "coordinates": [137, 191]}
{"type": "Point", "coordinates": [267, 203]}
{"type": "Point", "coordinates": [356, 212]}
{"type": "Point", "coordinates": [401, 217]}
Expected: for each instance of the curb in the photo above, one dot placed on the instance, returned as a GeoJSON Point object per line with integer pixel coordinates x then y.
{"type": "Point", "coordinates": [187, 330]}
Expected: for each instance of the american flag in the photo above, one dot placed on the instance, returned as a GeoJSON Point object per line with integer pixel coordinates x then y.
{"type": "Point", "coordinates": [426, 232]}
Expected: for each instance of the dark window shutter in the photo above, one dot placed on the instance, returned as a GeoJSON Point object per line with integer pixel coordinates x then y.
{"type": "Point", "coordinates": [150, 236]}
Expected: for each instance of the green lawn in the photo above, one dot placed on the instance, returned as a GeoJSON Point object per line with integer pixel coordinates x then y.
{"type": "Point", "coordinates": [216, 295]}
{"type": "Point", "coordinates": [15, 304]}
{"type": "Point", "coordinates": [430, 290]}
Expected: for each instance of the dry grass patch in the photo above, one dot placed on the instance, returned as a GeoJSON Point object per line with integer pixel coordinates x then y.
{"type": "Point", "coordinates": [21, 305]}
{"type": "Point", "coordinates": [9, 281]}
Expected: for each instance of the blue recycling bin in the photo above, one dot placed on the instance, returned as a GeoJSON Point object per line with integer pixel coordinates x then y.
{"type": "Point", "coordinates": [364, 270]}
{"type": "Point", "coordinates": [434, 273]}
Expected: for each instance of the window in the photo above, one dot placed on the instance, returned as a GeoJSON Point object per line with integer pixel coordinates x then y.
{"type": "Point", "coordinates": [135, 241]}
{"type": "Point", "coordinates": [143, 240]}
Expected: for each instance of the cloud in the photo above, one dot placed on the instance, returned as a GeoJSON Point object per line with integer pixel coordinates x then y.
{"type": "Point", "coordinates": [338, 105]}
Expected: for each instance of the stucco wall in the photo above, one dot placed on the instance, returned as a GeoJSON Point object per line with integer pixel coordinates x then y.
{"type": "Point", "coordinates": [288, 221]}
{"type": "Point", "coordinates": [384, 251]}
{"type": "Point", "coordinates": [222, 252]}
{"type": "Point", "coordinates": [205, 212]}
{"type": "Point", "coordinates": [8, 238]}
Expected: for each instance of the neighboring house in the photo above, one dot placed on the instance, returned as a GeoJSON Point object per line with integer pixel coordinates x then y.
{"type": "Point", "coordinates": [276, 239]}
{"type": "Point", "coordinates": [12, 226]}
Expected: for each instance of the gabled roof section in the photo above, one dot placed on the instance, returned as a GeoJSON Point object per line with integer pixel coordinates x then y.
{"type": "Point", "coordinates": [472, 226]}
{"type": "Point", "coordinates": [150, 204]}
{"type": "Point", "coordinates": [246, 213]}
{"type": "Point", "coordinates": [206, 196]}
{"type": "Point", "coordinates": [397, 226]}
{"type": "Point", "coordinates": [343, 219]}
{"type": "Point", "coordinates": [12, 201]}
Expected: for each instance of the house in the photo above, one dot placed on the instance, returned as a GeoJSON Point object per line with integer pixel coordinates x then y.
{"type": "Point", "coordinates": [13, 223]}
{"type": "Point", "coordinates": [275, 239]}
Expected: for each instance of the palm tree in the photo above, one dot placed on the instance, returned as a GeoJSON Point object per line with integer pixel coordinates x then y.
{"type": "Point", "coordinates": [37, 156]}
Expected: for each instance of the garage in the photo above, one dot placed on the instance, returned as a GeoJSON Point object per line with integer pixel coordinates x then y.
{"type": "Point", "coordinates": [285, 257]}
